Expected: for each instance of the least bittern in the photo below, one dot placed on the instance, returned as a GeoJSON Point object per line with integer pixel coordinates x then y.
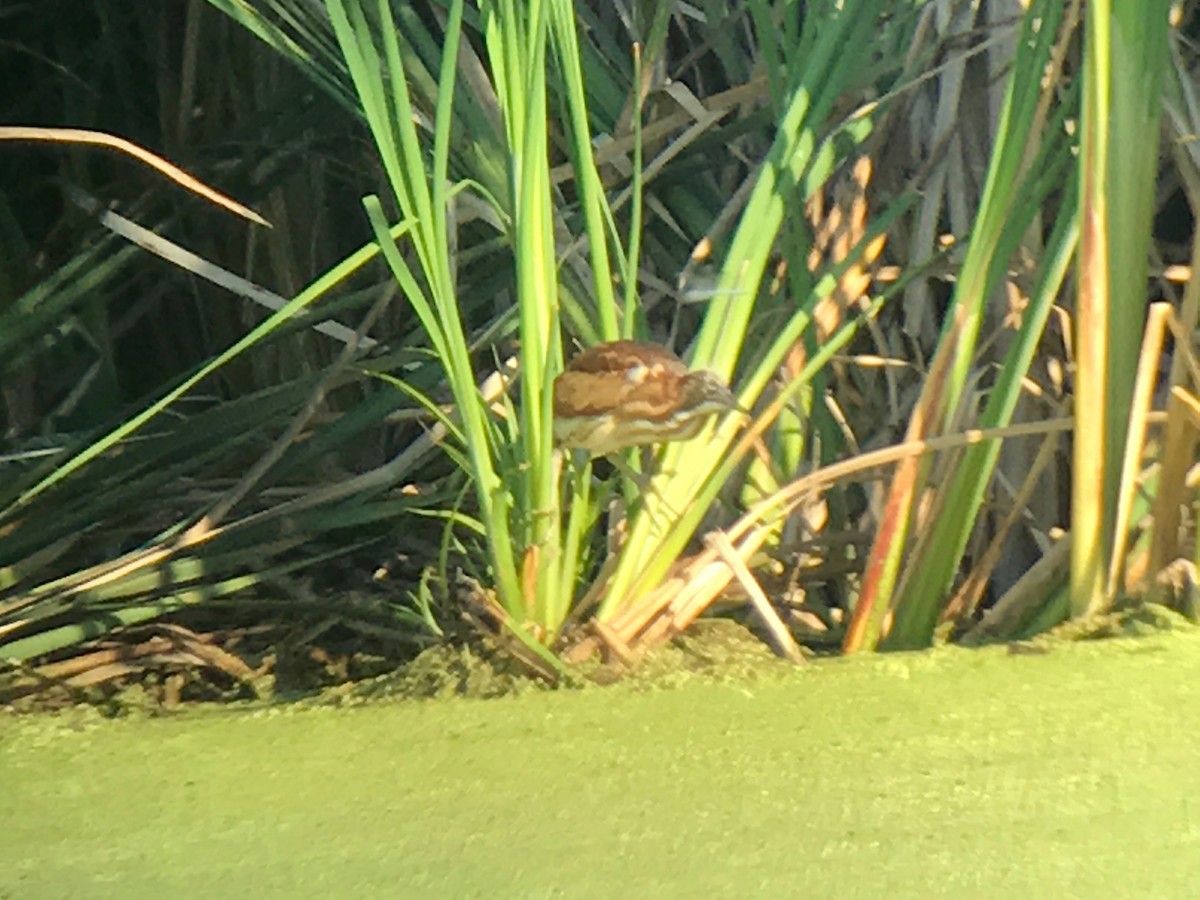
{"type": "Point", "coordinates": [626, 394]}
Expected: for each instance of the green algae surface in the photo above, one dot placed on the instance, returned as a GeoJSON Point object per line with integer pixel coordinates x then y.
{"type": "Point", "coordinates": [1068, 773]}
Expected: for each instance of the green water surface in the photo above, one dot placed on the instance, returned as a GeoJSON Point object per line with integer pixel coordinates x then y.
{"type": "Point", "coordinates": [957, 773]}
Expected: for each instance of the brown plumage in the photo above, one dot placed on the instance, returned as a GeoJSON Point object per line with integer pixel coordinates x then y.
{"type": "Point", "coordinates": [628, 393]}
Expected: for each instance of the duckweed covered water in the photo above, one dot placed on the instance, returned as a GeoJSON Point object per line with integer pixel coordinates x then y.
{"type": "Point", "coordinates": [957, 773]}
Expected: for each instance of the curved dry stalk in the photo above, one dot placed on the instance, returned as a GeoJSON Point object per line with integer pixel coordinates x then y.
{"type": "Point", "coordinates": [154, 161]}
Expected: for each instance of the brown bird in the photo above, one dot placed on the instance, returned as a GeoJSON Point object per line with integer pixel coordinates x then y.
{"type": "Point", "coordinates": [625, 394]}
